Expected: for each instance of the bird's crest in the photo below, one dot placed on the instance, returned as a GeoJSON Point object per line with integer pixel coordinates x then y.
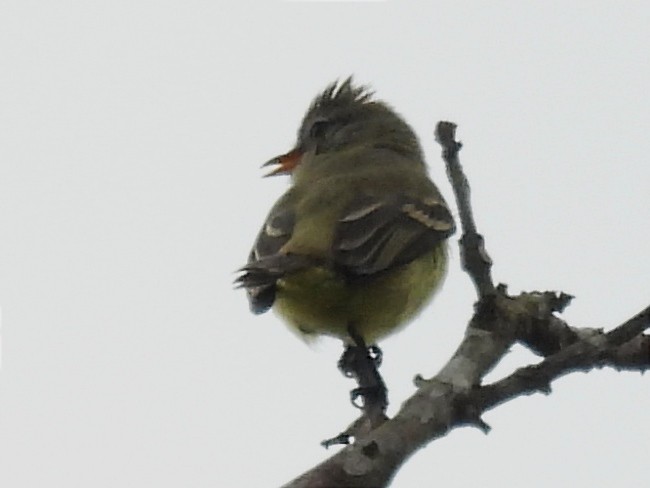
{"type": "Point", "coordinates": [342, 94]}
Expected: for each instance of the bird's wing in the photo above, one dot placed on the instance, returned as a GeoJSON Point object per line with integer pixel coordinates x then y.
{"type": "Point", "coordinates": [376, 234]}
{"type": "Point", "coordinates": [274, 234]}
{"type": "Point", "coordinates": [265, 265]}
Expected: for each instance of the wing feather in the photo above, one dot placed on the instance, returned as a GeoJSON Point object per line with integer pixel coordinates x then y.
{"type": "Point", "coordinates": [378, 234]}
{"type": "Point", "coordinates": [260, 274]}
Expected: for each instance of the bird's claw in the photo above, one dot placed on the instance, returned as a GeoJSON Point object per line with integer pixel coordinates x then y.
{"type": "Point", "coordinates": [369, 394]}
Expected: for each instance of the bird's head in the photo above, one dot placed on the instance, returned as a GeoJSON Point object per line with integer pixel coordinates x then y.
{"type": "Point", "coordinates": [344, 116]}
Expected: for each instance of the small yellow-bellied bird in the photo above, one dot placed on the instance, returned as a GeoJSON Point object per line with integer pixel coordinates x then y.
{"type": "Point", "coordinates": [357, 245]}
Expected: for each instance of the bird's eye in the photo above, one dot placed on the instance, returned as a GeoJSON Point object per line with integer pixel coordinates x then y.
{"type": "Point", "coordinates": [318, 128]}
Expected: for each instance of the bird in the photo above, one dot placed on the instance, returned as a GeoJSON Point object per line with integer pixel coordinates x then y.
{"type": "Point", "coordinates": [357, 245]}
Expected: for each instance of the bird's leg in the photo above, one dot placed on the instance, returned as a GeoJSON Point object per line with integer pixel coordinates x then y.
{"type": "Point", "coordinates": [376, 355]}
{"type": "Point", "coordinates": [360, 362]}
{"type": "Point", "coordinates": [348, 363]}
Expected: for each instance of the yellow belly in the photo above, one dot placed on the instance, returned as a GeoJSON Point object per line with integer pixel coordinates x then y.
{"type": "Point", "coordinates": [319, 302]}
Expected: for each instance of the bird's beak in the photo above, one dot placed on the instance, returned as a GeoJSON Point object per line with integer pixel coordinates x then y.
{"type": "Point", "coordinates": [285, 164]}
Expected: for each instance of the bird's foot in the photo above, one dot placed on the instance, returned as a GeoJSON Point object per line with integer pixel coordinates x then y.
{"type": "Point", "coordinates": [355, 357]}
{"type": "Point", "coordinates": [372, 396]}
{"type": "Point", "coordinates": [347, 362]}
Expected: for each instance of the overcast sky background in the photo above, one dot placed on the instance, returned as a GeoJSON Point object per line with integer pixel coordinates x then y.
{"type": "Point", "coordinates": [131, 135]}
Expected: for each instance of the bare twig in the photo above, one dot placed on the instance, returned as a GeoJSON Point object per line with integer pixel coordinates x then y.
{"type": "Point", "coordinates": [475, 258]}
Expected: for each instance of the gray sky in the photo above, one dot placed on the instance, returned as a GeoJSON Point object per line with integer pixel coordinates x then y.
{"type": "Point", "coordinates": [131, 135]}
